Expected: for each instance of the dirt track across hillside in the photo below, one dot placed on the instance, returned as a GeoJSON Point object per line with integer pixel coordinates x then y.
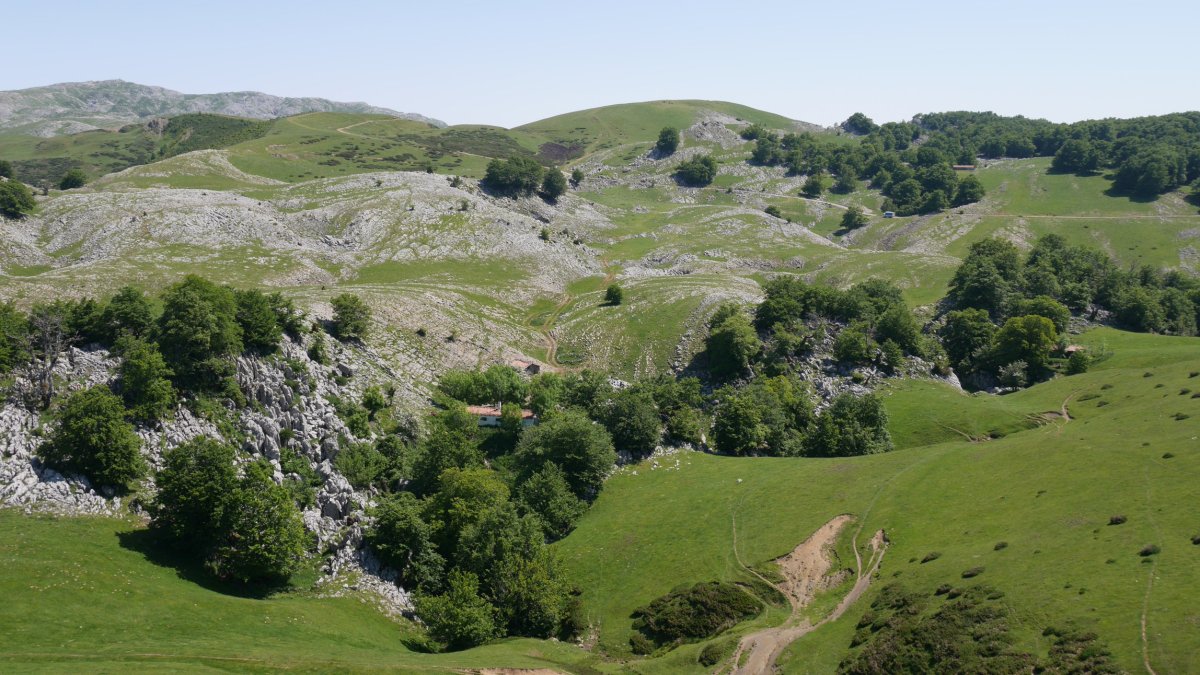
{"type": "Point", "coordinates": [805, 572]}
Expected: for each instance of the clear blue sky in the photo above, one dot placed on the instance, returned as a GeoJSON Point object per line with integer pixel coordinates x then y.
{"type": "Point", "coordinates": [513, 62]}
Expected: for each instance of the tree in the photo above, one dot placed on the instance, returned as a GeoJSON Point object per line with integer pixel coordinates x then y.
{"type": "Point", "coordinates": [256, 316]}
{"type": "Point", "coordinates": [969, 191]}
{"type": "Point", "coordinates": [196, 480]}
{"type": "Point", "coordinates": [613, 295]}
{"type": "Point", "coordinates": [16, 199]}
{"type": "Point", "coordinates": [668, 141]}
{"type": "Point", "coordinates": [967, 336]}
{"type": "Point", "coordinates": [1045, 306]}
{"type": "Point", "coordinates": [198, 333]}
{"type": "Point", "coordinates": [547, 494]}
{"type": "Point", "coordinates": [464, 497]}
{"type": "Point", "coordinates": [571, 441]}
{"type": "Point", "coordinates": [127, 313]}
{"type": "Point", "coordinates": [731, 345]}
{"type": "Point", "coordinates": [374, 400]}
{"type": "Point", "coordinates": [513, 177]}
{"type": "Point", "coordinates": [860, 124]}
{"type": "Point", "coordinates": [632, 419]}
{"type": "Point", "coordinates": [1025, 338]}
{"type": "Point", "coordinates": [546, 391]}
{"type": "Point", "coordinates": [698, 171]}
{"type": "Point", "coordinates": [576, 177]}
{"type": "Point", "coordinates": [264, 538]}
{"type": "Point", "coordinates": [1076, 155]}
{"type": "Point", "coordinates": [6, 169]}
{"type": "Point", "coordinates": [351, 317]}
{"type": "Point", "coordinates": [854, 344]}
{"type": "Point", "coordinates": [852, 425]}
{"type": "Point", "coordinates": [738, 429]}
{"type": "Point", "coordinates": [459, 618]}
{"type": "Point", "coordinates": [846, 182]}
{"type": "Point", "coordinates": [1138, 308]}
{"type": "Point", "coordinates": [145, 380]}
{"type": "Point", "coordinates": [553, 184]}
{"type": "Point", "coordinates": [898, 325]}
{"type": "Point", "coordinates": [49, 336]}
{"type": "Point", "coordinates": [14, 343]}
{"type": "Point", "coordinates": [403, 540]}
{"type": "Point", "coordinates": [814, 185]}
{"type": "Point", "coordinates": [73, 178]}
{"type": "Point", "coordinates": [1078, 362]}
{"type": "Point", "coordinates": [93, 438]}
{"type": "Point", "coordinates": [854, 218]}
{"type": "Point", "coordinates": [934, 202]}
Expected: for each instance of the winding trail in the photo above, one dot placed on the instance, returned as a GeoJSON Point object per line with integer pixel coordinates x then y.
{"type": "Point", "coordinates": [804, 572]}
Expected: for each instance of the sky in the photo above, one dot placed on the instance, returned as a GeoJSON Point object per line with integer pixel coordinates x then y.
{"type": "Point", "coordinates": [509, 63]}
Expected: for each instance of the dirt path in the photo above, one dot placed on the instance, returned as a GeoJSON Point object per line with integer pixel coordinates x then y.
{"type": "Point", "coordinates": [805, 572]}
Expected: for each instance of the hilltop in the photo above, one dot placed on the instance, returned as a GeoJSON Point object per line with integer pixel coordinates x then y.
{"type": "Point", "coordinates": [72, 107]}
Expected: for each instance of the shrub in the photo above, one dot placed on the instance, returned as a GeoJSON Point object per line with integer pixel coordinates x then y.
{"type": "Point", "coordinates": [73, 178]}
{"type": "Point", "coordinates": [854, 218]}
{"type": "Point", "coordinates": [773, 211]}
{"type": "Point", "coordinates": [145, 380]}
{"type": "Point", "coordinates": [361, 464]}
{"type": "Point", "coordinates": [554, 184]}
{"type": "Point", "coordinates": [351, 317]}
{"type": "Point", "coordinates": [459, 618]}
{"type": "Point", "coordinates": [641, 645]}
{"type": "Point", "coordinates": [1149, 550]}
{"type": "Point", "coordinates": [613, 295]}
{"type": "Point", "coordinates": [698, 171]}
{"type": "Point", "coordinates": [576, 177]}
{"type": "Point", "coordinates": [973, 572]}
{"type": "Point", "coordinates": [694, 613]}
{"type": "Point", "coordinates": [513, 177]}
{"type": "Point", "coordinates": [668, 141]}
{"type": "Point", "coordinates": [1196, 539]}
{"type": "Point", "coordinates": [715, 652]}
{"type": "Point", "coordinates": [930, 557]}
{"type": "Point", "coordinates": [93, 438]}
{"type": "Point", "coordinates": [1116, 520]}
{"type": "Point", "coordinates": [16, 199]}
{"type": "Point", "coordinates": [1000, 545]}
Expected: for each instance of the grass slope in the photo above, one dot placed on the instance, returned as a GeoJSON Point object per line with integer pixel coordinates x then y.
{"type": "Point", "coordinates": [1047, 491]}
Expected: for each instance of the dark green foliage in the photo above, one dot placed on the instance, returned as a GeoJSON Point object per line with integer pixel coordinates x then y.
{"type": "Point", "coordinates": [668, 141]}
{"type": "Point", "coordinates": [460, 618]}
{"type": "Point", "coordinates": [203, 131]}
{"type": "Point", "coordinates": [403, 540]}
{"type": "Point", "coordinates": [6, 169]}
{"type": "Point", "coordinates": [814, 185]}
{"type": "Point", "coordinates": [854, 218]}
{"type": "Point", "coordinates": [16, 199]}
{"type": "Point", "coordinates": [859, 123]}
{"type": "Point", "coordinates": [583, 450]}
{"type": "Point", "coordinates": [969, 191]}
{"type": "Point", "coordinates": [854, 345]}
{"type": "Point", "coordinates": [361, 464]}
{"type": "Point", "coordinates": [714, 653]}
{"type": "Point", "coordinates": [1078, 362]}
{"type": "Point", "coordinates": [576, 177]}
{"type": "Point", "coordinates": [93, 438]}
{"type": "Point", "coordinates": [738, 428]}
{"type": "Point", "coordinates": [852, 425]}
{"type": "Point", "coordinates": [247, 529]}
{"type": "Point", "coordinates": [198, 333]}
{"type": "Point", "coordinates": [1078, 652]}
{"type": "Point", "coordinates": [145, 380]}
{"type": "Point", "coordinates": [967, 337]}
{"type": "Point", "coordinates": [256, 314]}
{"type": "Point", "coordinates": [13, 329]}
{"type": "Point", "coordinates": [546, 391]}
{"type": "Point", "coordinates": [554, 184]}
{"type": "Point", "coordinates": [497, 383]}
{"type": "Point", "coordinates": [1044, 306]}
{"type": "Point", "coordinates": [731, 345]}
{"type": "Point", "coordinates": [695, 613]}
{"type": "Point", "coordinates": [547, 494]}
{"type": "Point", "coordinates": [902, 634]}
{"type": "Point", "coordinates": [193, 487]}
{"type": "Point", "coordinates": [351, 317]}
{"type": "Point", "coordinates": [898, 325]}
{"type": "Point", "coordinates": [1025, 338]}
{"type": "Point", "coordinates": [989, 274]}
{"type": "Point", "coordinates": [513, 177]}
{"type": "Point", "coordinates": [698, 171]}
{"type": "Point", "coordinates": [773, 211]}
{"type": "Point", "coordinates": [632, 419]}
{"type": "Point", "coordinates": [127, 313]}
{"type": "Point", "coordinates": [614, 295]}
{"type": "Point", "coordinates": [74, 178]}
{"type": "Point", "coordinates": [1076, 155]}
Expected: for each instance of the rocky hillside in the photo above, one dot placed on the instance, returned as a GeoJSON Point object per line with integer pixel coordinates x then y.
{"type": "Point", "coordinates": [71, 107]}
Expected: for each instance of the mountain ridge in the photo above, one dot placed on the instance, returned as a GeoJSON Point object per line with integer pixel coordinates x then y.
{"type": "Point", "coordinates": [72, 107]}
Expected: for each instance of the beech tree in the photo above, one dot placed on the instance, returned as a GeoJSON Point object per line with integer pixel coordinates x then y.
{"type": "Point", "coordinates": [668, 141]}
{"type": "Point", "coordinates": [93, 438]}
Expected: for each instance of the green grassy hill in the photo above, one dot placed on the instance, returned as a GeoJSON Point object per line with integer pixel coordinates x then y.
{"type": "Point", "coordinates": [89, 593]}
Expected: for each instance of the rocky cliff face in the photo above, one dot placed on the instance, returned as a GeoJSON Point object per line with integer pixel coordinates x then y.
{"type": "Point", "coordinates": [287, 407]}
{"type": "Point", "coordinates": [71, 107]}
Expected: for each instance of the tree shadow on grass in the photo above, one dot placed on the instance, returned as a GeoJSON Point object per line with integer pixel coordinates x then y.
{"type": "Point", "coordinates": [162, 553]}
{"type": "Point", "coordinates": [1114, 191]}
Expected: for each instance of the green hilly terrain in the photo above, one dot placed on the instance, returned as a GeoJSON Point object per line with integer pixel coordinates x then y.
{"type": "Point", "coordinates": [1017, 490]}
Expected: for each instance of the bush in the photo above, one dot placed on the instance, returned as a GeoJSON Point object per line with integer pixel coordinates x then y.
{"type": "Point", "coordinates": [1116, 520]}
{"type": "Point", "coordinates": [714, 653]}
{"type": "Point", "coordinates": [403, 540]}
{"type": "Point", "coordinates": [145, 380]}
{"type": "Point", "coordinates": [814, 185]}
{"type": "Point", "coordinates": [554, 184]}
{"type": "Point", "coordinates": [460, 618]}
{"type": "Point", "coordinates": [351, 317]}
{"type": "Point", "coordinates": [613, 295]}
{"type": "Point", "coordinates": [93, 438]}
{"type": "Point", "coordinates": [930, 557]}
{"type": "Point", "coordinates": [1078, 362]}
{"type": "Point", "coordinates": [698, 171]}
{"type": "Point", "coordinates": [773, 211]}
{"type": "Point", "coordinates": [973, 572]}
{"type": "Point", "coordinates": [257, 317]}
{"type": "Point", "coordinates": [668, 141]}
{"type": "Point", "coordinates": [695, 613]}
{"type": "Point", "coordinates": [1149, 550]}
{"type": "Point", "coordinates": [1000, 546]}
{"type": "Point", "coordinates": [73, 178]}
{"type": "Point", "coordinates": [16, 200]}
{"type": "Point", "coordinates": [854, 218]}
{"type": "Point", "coordinates": [361, 464]}
{"type": "Point", "coordinates": [513, 177]}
